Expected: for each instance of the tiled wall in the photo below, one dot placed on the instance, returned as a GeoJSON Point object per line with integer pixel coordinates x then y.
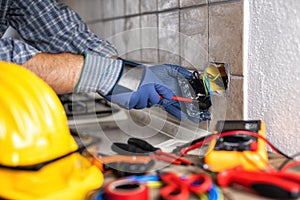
{"type": "Point", "coordinates": [185, 32]}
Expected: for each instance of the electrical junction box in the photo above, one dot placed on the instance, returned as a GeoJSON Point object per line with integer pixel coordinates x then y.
{"type": "Point", "coordinates": [226, 152]}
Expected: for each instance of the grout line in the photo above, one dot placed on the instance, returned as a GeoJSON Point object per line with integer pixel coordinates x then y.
{"type": "Point", "coordinates": [223, 2]}
{"type": "Point", "coordinates": [113, 26]}
{"type": "Point", "coordinates": [208, 31]}
{"type": "Point", "coordinates": [237, 76]}
{"type": "Point", "coordinates": [179, 36]}
{"type": "Point", "coordinates": [140, 32]}
{"type": "Point", "coordinates": [161, 11]}
{"type": "Point", "coordinates": [157, 32]}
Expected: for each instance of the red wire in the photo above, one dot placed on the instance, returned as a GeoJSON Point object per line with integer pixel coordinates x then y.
{"type": "Point", "coordinates": [227, 133]}
{"type": "Point", "coordinates": [290, 165]}
{"type": "Point", "coordinates": [175, 157]}
{"type": "Point", "coordinates": [252, 134]}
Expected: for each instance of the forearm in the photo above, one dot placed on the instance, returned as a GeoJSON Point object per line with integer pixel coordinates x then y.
{"type": "Point", "coordinates": [61, 71]}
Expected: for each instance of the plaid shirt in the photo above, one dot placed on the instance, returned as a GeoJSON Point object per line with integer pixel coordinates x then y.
{"type": "Point", "coordinates": [46, 26]}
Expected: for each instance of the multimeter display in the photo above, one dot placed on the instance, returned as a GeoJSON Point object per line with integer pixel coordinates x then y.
{"type": "Point", "coordinates": [253, 126]}
{"type": "Point", "coordinates": [230, 151]}
{"type": "Point", "coordinates": [237, 142]}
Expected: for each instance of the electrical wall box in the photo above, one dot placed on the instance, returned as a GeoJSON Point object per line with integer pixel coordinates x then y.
{"type": "Point", "coordinates": [238, 149]}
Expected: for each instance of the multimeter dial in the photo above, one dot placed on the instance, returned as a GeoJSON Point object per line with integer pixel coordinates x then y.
{"type": "Point", "coordinates": [235, 143]}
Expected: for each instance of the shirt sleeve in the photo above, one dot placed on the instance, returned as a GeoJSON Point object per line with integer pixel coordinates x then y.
{"type": "Point", "coordinates": [16, 51]}
{"type": "Point", "coordinates": [52, 27]}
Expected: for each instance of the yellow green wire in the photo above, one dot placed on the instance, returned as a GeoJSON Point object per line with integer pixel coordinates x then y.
{"type": "Point", "coordinates": [206, 82]}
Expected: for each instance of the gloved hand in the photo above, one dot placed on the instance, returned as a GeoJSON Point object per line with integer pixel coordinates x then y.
{"type": "Point", "coordinates": [140, 86]}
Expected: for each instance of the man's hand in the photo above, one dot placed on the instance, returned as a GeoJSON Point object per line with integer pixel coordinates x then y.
{"type": "Point", "coordinates": [140, 86]}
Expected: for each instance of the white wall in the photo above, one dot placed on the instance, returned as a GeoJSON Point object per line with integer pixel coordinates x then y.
{"type": "Point", "coordinates": [273, 69]}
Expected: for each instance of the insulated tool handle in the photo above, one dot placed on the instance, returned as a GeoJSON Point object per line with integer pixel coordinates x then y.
{"type": "Point", "coordinates": [128, 168]}
{"type": "Point", "coordinates": [124, 158]}
{"type": "Point", "coordinates": [266, 184]}
{"type": "Point", "coordinates": [290, 176]}
{"type": "Point", "coordinates": [123, 165]}
{"type": "Point", "coordinates": [183, 99]}
{"type": "Point", "coordinates": [161, 155]}
{"type": "Point", "coordinates": [142, 144]}
{"type": "Point", "coordinates": [127, 149]}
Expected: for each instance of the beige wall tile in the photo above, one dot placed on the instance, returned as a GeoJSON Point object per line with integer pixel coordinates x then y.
{"type": "Point", "coordinates": [132, 38]}
{"type": "Point", "coordinates": [119, 38]}
{"type": "Point", "coordinates": [132, 7]}
{"type": "Point", "coordinates": [226, 35]}
{"type": "Point", "coordinates": [214, 1]}
{"type": "Point", "coordinates": [194, 37]}
{"type": "Point", "coordinates": [149, 38]}
{"type": "Point", "coordinates": [107, 8]}
{"type": "Point", "coordinates": [166, 4]}
{"type": "Point", "coordinates": [119, 7]}
{"type": "Point", "coordinates": [228, 108]}
{"type": "Point", "coordinates": [168, 37]}
{"type": "Point", "coordinates": [104, 30]}
{"type": "Point", "coordinates": [235, 99]}
{"type": "Point", "coordinates": [148, 5]}
{"type": "Point", "coordinates": [88, 10]}
{"type": "Point", "coordinates": [184, 3]}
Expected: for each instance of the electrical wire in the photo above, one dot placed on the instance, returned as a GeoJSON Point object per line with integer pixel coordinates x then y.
{"type": "Point", "coordinates": [210, 137]}
{"type": "Point", "coordinates": [207, 80]}
{"type": "Point", "coordinates": [284, 163]}
{"type": "Point", "coordinates": [290, 165]}
{"type": "Point", "coordinates": [206, 84]}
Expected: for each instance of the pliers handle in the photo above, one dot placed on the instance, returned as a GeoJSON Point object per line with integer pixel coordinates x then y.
{"type": "Point", "coordinates": [139, 146]}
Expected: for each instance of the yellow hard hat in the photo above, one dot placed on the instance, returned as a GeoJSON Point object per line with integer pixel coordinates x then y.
{"type": "Point", "coordinates": [33, 131]}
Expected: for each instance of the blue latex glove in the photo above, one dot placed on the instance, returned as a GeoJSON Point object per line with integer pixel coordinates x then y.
{"type": "Point", "coordinates": [155, 82]}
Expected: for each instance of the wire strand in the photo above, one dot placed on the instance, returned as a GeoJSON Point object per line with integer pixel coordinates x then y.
{"type": "Point", "coordinates": [287, 160]}
{"type": "Point", "coordinates": [288, 166]}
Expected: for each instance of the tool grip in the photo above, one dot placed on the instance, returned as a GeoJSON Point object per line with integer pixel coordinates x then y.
{"type": "Point", "coordinates": [263, 183]}
{"type": "Point", "coordinates": [124, 158]}
{"type": "Point", "coordinates": [127, 149]}
{"type": "Point", "coordinates": [142, 144]}
{"type": "Point", "coordinates": [183, 99]}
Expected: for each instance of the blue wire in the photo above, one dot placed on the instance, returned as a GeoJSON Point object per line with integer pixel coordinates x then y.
{"type": "Point", "coordinates": [100, 195]}
{"type": "Point", "coordinates": [214, 193]}
{"type": "Point", "coordinates": [207, 85]}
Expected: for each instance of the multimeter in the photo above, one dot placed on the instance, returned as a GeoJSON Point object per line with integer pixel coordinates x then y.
{"type": "Point", "coordinates": [234, 150]}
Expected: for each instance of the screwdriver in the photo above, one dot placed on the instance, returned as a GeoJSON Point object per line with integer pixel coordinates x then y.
{"type": "Point", "coordinates": [184, 99]}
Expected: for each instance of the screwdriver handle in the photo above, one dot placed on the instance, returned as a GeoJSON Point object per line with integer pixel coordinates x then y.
{"type": "Point", "coordinates": [183, 99]}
